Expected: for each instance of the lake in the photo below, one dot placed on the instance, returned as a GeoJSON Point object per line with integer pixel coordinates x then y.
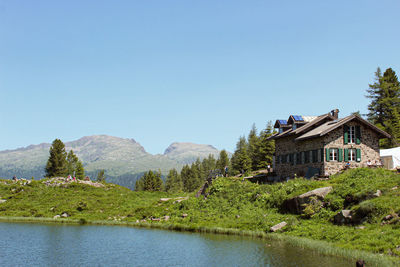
{"type": "Point", "coordinates": [23, 244]}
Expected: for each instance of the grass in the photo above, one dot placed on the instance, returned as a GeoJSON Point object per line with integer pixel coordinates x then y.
{"type": "Point", "coordinates": [232, 207]}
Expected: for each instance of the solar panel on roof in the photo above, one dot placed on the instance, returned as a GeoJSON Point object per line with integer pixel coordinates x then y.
{"type": "Point", "coordinates": [298, 118]}
{"type": "Point", "coordinates": [282, 121]}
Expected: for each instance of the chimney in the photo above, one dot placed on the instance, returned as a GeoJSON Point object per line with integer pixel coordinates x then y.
{"type": "Point", "coordinates": [335, 113]}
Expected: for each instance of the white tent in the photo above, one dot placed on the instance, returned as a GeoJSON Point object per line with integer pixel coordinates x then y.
{"type": "Point", "coordinates": [390, 157]}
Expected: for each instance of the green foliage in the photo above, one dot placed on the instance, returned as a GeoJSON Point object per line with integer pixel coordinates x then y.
{"type": "Point", "coordinates": [101, 176]}
{"type": "Point", "coordinates": [241, 161]}
{"type": "Point", "coordinates": [384, 109]}
{"type": "Point", "coordinates": [150, 181]}
{"type": "Point", "coordinates": [173, 182]}
{"type": "Point", "coordinates": [57, 162]}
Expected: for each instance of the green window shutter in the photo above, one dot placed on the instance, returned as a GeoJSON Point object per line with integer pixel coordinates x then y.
{"type": "Point", "coordinates": [346, 154]}
{"type": "Point", "coordinates": [358, 134]}
{"type": "Point", "coordinates": [358, 154]}
{"type": "Point", "coordinates": [346, 134]}
{"type": "Point", "coordinates": [340, 154]}
{"type": "Point", "coordinates": [327, 154]}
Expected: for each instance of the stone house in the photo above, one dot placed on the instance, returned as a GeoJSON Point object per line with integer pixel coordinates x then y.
{"type": "Point", "coordinates": [323, 145]}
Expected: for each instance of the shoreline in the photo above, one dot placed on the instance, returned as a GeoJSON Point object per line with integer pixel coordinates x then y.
{"type": "Point", "coordinates": [321, 247]}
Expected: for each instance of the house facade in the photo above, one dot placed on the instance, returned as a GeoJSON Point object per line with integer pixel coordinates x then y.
{"type": "Point", "coordinates": [323, 145]}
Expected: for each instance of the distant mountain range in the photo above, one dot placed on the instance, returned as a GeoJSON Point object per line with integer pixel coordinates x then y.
{"type": "Point", "coordinates": [124, 160]}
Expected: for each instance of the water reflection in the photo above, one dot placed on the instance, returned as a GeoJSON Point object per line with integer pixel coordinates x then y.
{"type": "Point", "coordinates": [65, 245]}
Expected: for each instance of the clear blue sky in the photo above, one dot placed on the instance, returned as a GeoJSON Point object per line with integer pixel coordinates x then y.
{"type": "Point", "coordinates": [188, 71]}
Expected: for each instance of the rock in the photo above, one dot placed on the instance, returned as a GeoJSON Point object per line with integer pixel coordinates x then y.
{"type": "Point", "coordinates": [184, 215]}
{"type": "Point", "coordinates": [278, 226]}
{"type": "Point", "coordinates": [156, 219]}
{"type": "Point", "coordinates": [165, 199]}
{"type": "Point", "coordinates": [388, 217]}
{"type": "Point", "coordinates": [378, 193]}
{"type": "Point", "coordinates": [394, 188]}
{"type": "Point", "coordinates": [2, 200]}
{"type": "Point", "coordinates": [296, 204]}
{"type": "Point", "coordinates": [56, 217]}
{"type": "Point", "coordinates": [64, 215]}
{"type": "Point", "coordinates": [237, 216]}
{"type": "Point", "coordinates": [343, 217]}
{"type": "Point", "coordinates": [166, 218]}
{"type": "Point", "coordinates": [360, 227]}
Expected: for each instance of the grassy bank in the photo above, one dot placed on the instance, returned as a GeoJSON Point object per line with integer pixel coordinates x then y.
{"type": "Point", "coordinates": [232, 207]}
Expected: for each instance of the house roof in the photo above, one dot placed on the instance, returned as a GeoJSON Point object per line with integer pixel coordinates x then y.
{"type": "Point", "coordinates": [332, 125]}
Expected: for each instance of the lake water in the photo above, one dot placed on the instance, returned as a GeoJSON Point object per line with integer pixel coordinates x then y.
{"type": "Point", "coordinates": [24, 244]}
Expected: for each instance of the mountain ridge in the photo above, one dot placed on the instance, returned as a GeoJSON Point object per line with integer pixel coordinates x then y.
{"type": "Point", "coordinates": [120, 157]}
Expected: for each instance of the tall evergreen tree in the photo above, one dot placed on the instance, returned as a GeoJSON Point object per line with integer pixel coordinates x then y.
{"type": "Point", "coordinates": [240, 159]}
{"type": "Point", "coordinates": [266, 147]}
{"type": "Point", "coordinates": [253, 148]}
{"type": "Point", "coordinates": [173, 182]}
{"type": "Point", "coordinates": [223, 161]}
{"type": "Point", "coordinates": [74, 166]}
{"type": "Point", "coordinates": [57, 162]}
{"type": "Point", "coordinates": [384, 109]}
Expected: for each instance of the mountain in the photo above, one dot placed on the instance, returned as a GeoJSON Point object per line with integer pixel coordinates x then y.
{"type": "Point", "coordinates": [187, 153]}
{"type": "Point", "coordinates": [123, 159]}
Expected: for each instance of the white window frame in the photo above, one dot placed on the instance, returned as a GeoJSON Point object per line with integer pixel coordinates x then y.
{"type": "Point", "coordinates": [333, 154]}
{"type": "Point", "coordinates": [352, 134]}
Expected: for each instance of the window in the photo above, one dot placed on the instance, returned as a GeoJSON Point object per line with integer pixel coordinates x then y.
{"type": "Point", "coordinates": [352, 154]}
{"type": "Point", "coordinates": [315, 156]}
{"type": "Point", "coordinates": [352, 134]}
{"type": "Point", "coordinates": [333, 154]}
{"type": "Point", "coordinates": [307, 157]}
{"type": "Point", "coordinates": [281, 130]}
{"type": "Point", "coordinates": [294, 126]}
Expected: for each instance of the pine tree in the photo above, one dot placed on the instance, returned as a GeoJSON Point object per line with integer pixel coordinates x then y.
{"type": "Point", "coordinates": [57, 162]}
{"type": "Point", "coordinates": [74, 166]}
{"type": "Point", "coordinates": [139, 184]}
{"type": "Point", "coordinates": [253, 148]}
{"type": "Point", "coordinates": [173, 182]}
{"type": "Point", "coordinates": [101, 176]}
{"type": "Point", "coordinates": [79, 171]}
{"type": "Point", "coordinates": [240, 159]}
{"type": "Point", "coordinates": [223, 161]}
{"type": "Point", "coordinates": [266, 147]}
{"type": "Point", "coordinates": [384, 109]}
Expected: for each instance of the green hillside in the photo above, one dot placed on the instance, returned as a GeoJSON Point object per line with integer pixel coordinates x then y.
{"type": "Point", "coordinates": [235, 205]}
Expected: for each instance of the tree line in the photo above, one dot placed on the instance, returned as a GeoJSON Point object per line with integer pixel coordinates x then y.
{"type": "Point", "coordinates": [255, 152]}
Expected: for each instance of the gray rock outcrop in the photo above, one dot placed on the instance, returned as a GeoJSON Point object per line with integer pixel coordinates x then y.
{"type": "Point", "coordinates": [296, 204]}
{"type": "Point", "coordinates": [343, 217]}
{"type": "Point", "coordinates": [278, 226]}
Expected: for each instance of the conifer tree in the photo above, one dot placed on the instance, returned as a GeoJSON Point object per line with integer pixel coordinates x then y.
{"type": "Point", "coordinates": [74, 166]}
{"type": "Point", "coordinates": [101, 176]}
{"type": "Point", "coordinates": [223, 161]}
{"type": "Point", "coordinates": [240, 159]}
{"type": "Point", "coordinates": [253, 148]}
{"type": "Point", "coordinates": [266, 147]}
{"type": "Point", "coordinates": [139, 184]}
{"type": "Point", "coordinates": [173, 182]}
{"type": "Point", "coordinates": [384, 109]}
{"type": "Point", "coordinates": [57, 162]}
{"type": "Point", "coordinates": [79, 171]}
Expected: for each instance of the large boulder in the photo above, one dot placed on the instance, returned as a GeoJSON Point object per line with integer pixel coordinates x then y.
{"type": "Point", "coordinates": [296, 204]}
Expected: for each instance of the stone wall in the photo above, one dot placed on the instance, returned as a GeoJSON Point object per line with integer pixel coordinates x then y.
{"type": "Point", "coordinates": [287, 145]}
{"type": "Point", "coordinates": [369, 148]}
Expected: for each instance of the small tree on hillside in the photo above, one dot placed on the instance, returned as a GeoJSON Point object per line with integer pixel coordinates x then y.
{"type": "Point", "coordinates": [223, 161]}
{"type": "Point", "coordinates": [101, 176]}
{"type": "Point", "coordinates": [57, 162]}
